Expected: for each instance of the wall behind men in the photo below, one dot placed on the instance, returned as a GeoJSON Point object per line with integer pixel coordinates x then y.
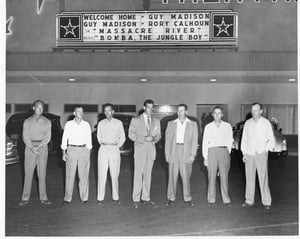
{"type": "Point", "coordinates": [56, 95]}
{"type": "Point", "coordinates": [264, 26]}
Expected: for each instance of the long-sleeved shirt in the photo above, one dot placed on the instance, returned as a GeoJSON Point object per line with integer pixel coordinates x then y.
{"type": "Point", "coordinates": [216, 136]}
{"type": "Point", "coordinates": [77, 134]}
{"type": "Point", "coordinates": [36, 129]}
{"type": "Point", "coordinates": [257, 136]}
{"type": "Point", "coordinates": [111, 132]}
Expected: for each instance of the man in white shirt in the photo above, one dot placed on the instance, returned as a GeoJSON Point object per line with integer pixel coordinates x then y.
{"type": "Point", "coordinates": [111, 136]}
{"type": "Point", "coordinates": [257, 140]}
{"type": "Point", "coordinates": [216, 148]}
{"type": "Point", "coordinates": [180, 151]}
{"type": "Point", "coordinates": [76, 146]}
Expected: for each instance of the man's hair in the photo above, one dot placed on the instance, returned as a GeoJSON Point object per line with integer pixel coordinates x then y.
{"type": "Point", "coordinates": [77, 107]}
{"type": "Point", "coordinates": [259, 104]}
{"type": "Point", "coordinates": [218, 107]}
{"type": "Point", "coordinates": [148, 101]}
{"type": "Point", "coordinates": [108, 105]}
{"type": "Point", "coordinates": [38, 102]}
{"type": "Point", "coordinates": [182, 105]}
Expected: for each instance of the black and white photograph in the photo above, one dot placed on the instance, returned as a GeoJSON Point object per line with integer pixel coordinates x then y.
{"type": "Point", "coordinates": [150, 118]}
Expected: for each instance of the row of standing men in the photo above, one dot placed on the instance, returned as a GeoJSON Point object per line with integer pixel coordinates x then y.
{"type": "Point", "coordinates": [180, 151]}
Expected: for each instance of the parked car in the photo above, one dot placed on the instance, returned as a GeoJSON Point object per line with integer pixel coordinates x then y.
{"type": "Point", "coordinates": [164, 123]}
{"type": "Point", "coordinates": [11, 151]}
{"type": "Point", "coordinates": [14, 133]}
{"type": "Point", "coordinates": [127, 147]}
{"type": "Point", "coordinates": [280, 148]}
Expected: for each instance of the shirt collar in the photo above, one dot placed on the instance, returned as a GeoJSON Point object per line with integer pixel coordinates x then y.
{"type": "Point", "coordinates": [216, 124]}
{"type": "Point", "coordinates": [187, 120]}
{"type": "Point", "coordinates": [146, 116]}
{"type": "Point", "coordinates": [76, 122]}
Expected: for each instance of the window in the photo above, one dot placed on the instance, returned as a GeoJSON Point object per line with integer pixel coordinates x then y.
{"type": "Point", "coordinates": [87, 108]}
{"type": "Point", "coordinates": [8, 108]}
{"type": "Point", "coordinates": [123, 108]}
{"type": "Point", "coordinates": [164, 1]}
{"type": "Point", "coordinates": [165, 109]}
{"type": "Point", "coordinates": [27, 107]}
{"type": "Point", "coordinates": [285, 114]}
{"type": "Point", "coordinates": [195, 1]}
{"type": "Point", "coordinates": [181, 1]}
{"type": "Point", "coordinates": [211, 1]}
{"type": "Point", "coordinates": [204, 113]}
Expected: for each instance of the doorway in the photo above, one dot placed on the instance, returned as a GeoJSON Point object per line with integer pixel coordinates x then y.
{"type": "Point", "coordinates": [204, 113]}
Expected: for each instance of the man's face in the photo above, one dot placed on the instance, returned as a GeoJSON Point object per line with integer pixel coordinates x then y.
{"type": "Point", "coordinates": [38, 108]}
{"type": "Point", "coordinates": [181, 112]}
{"type": "Point", "coordinates": [148, 109]}
{"type": "Point", "coordinates": [217, 114]}
{"type": "Point", "coordinates": [256, 111]}
{"type": "Point", "coordinates": [108, 111]}
{"type": "Point", "coordinates": [78, 113]}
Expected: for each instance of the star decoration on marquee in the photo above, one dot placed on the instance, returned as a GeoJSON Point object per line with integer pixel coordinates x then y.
{"type": "Point", "coordinates": [223, 27]}
{"type": "Point", "coordinates": [70, 28]}
{"type": "Point", "coordinates": [8, 25]}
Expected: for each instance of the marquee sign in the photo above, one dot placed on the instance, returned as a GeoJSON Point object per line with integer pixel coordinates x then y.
{"type": "Point", "coordinates": [136, 29]}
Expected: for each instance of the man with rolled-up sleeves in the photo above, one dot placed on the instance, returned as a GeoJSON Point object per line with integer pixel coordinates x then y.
{"type": "Point", "coordinates": [36, 136]}
{"type": "Point", "coordinates": [111, 136]}
{"type": "Point", "coordinates": [76, 146]}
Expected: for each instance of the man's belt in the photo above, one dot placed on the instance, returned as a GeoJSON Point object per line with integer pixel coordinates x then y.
{"type": "Point", "coordinates": [180, 143]}
{"type": "Point", "coordinates": [109, 144]}
{"type": "Point", "coordinates": [219, 147]}
{"type": "Point", "coordinates": [72, 145]}
{"type": "Point", "coordinates": [36, 141]}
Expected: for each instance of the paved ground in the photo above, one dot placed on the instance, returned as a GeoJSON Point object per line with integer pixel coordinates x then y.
{"type": "Point", "coordinates": [76, 219]}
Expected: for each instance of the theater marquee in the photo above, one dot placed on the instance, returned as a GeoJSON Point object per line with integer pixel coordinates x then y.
{"type": "Point", "coordinates": [137, 29]}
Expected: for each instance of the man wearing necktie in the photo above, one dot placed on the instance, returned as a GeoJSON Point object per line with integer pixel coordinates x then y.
{"type": "Point", "coordinates": [144, 131]}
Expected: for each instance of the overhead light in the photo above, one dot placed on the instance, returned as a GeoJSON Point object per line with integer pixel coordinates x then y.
{"type": "Point", "coordinates": [72, 80]}
{"type": "Point", "coordinates": [292, 80]}
{"type": "Point", "coordinates": [213, 80]}
{"type": "Point", "coordinates": [143, 80]}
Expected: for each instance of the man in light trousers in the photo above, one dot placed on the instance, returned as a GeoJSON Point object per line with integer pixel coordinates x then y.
{"type": "Point", "coordinates": [144, 131]}
{"type": "Point", "coordinates": [76, 146]}
{"type": "Point", "coordinates": [216, 147]}
{"type": "Point", "coordinates": [180, 152]}
{"type": "Point", "coordinates": [111, 136]}
{"type": "Point", "coordinates": [257, 140]}
{"type": "Point", "coordinates": [36, 136]}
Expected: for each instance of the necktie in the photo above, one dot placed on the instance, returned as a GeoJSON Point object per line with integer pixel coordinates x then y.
{"type": "Point", "coordinates": [148, 123]}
